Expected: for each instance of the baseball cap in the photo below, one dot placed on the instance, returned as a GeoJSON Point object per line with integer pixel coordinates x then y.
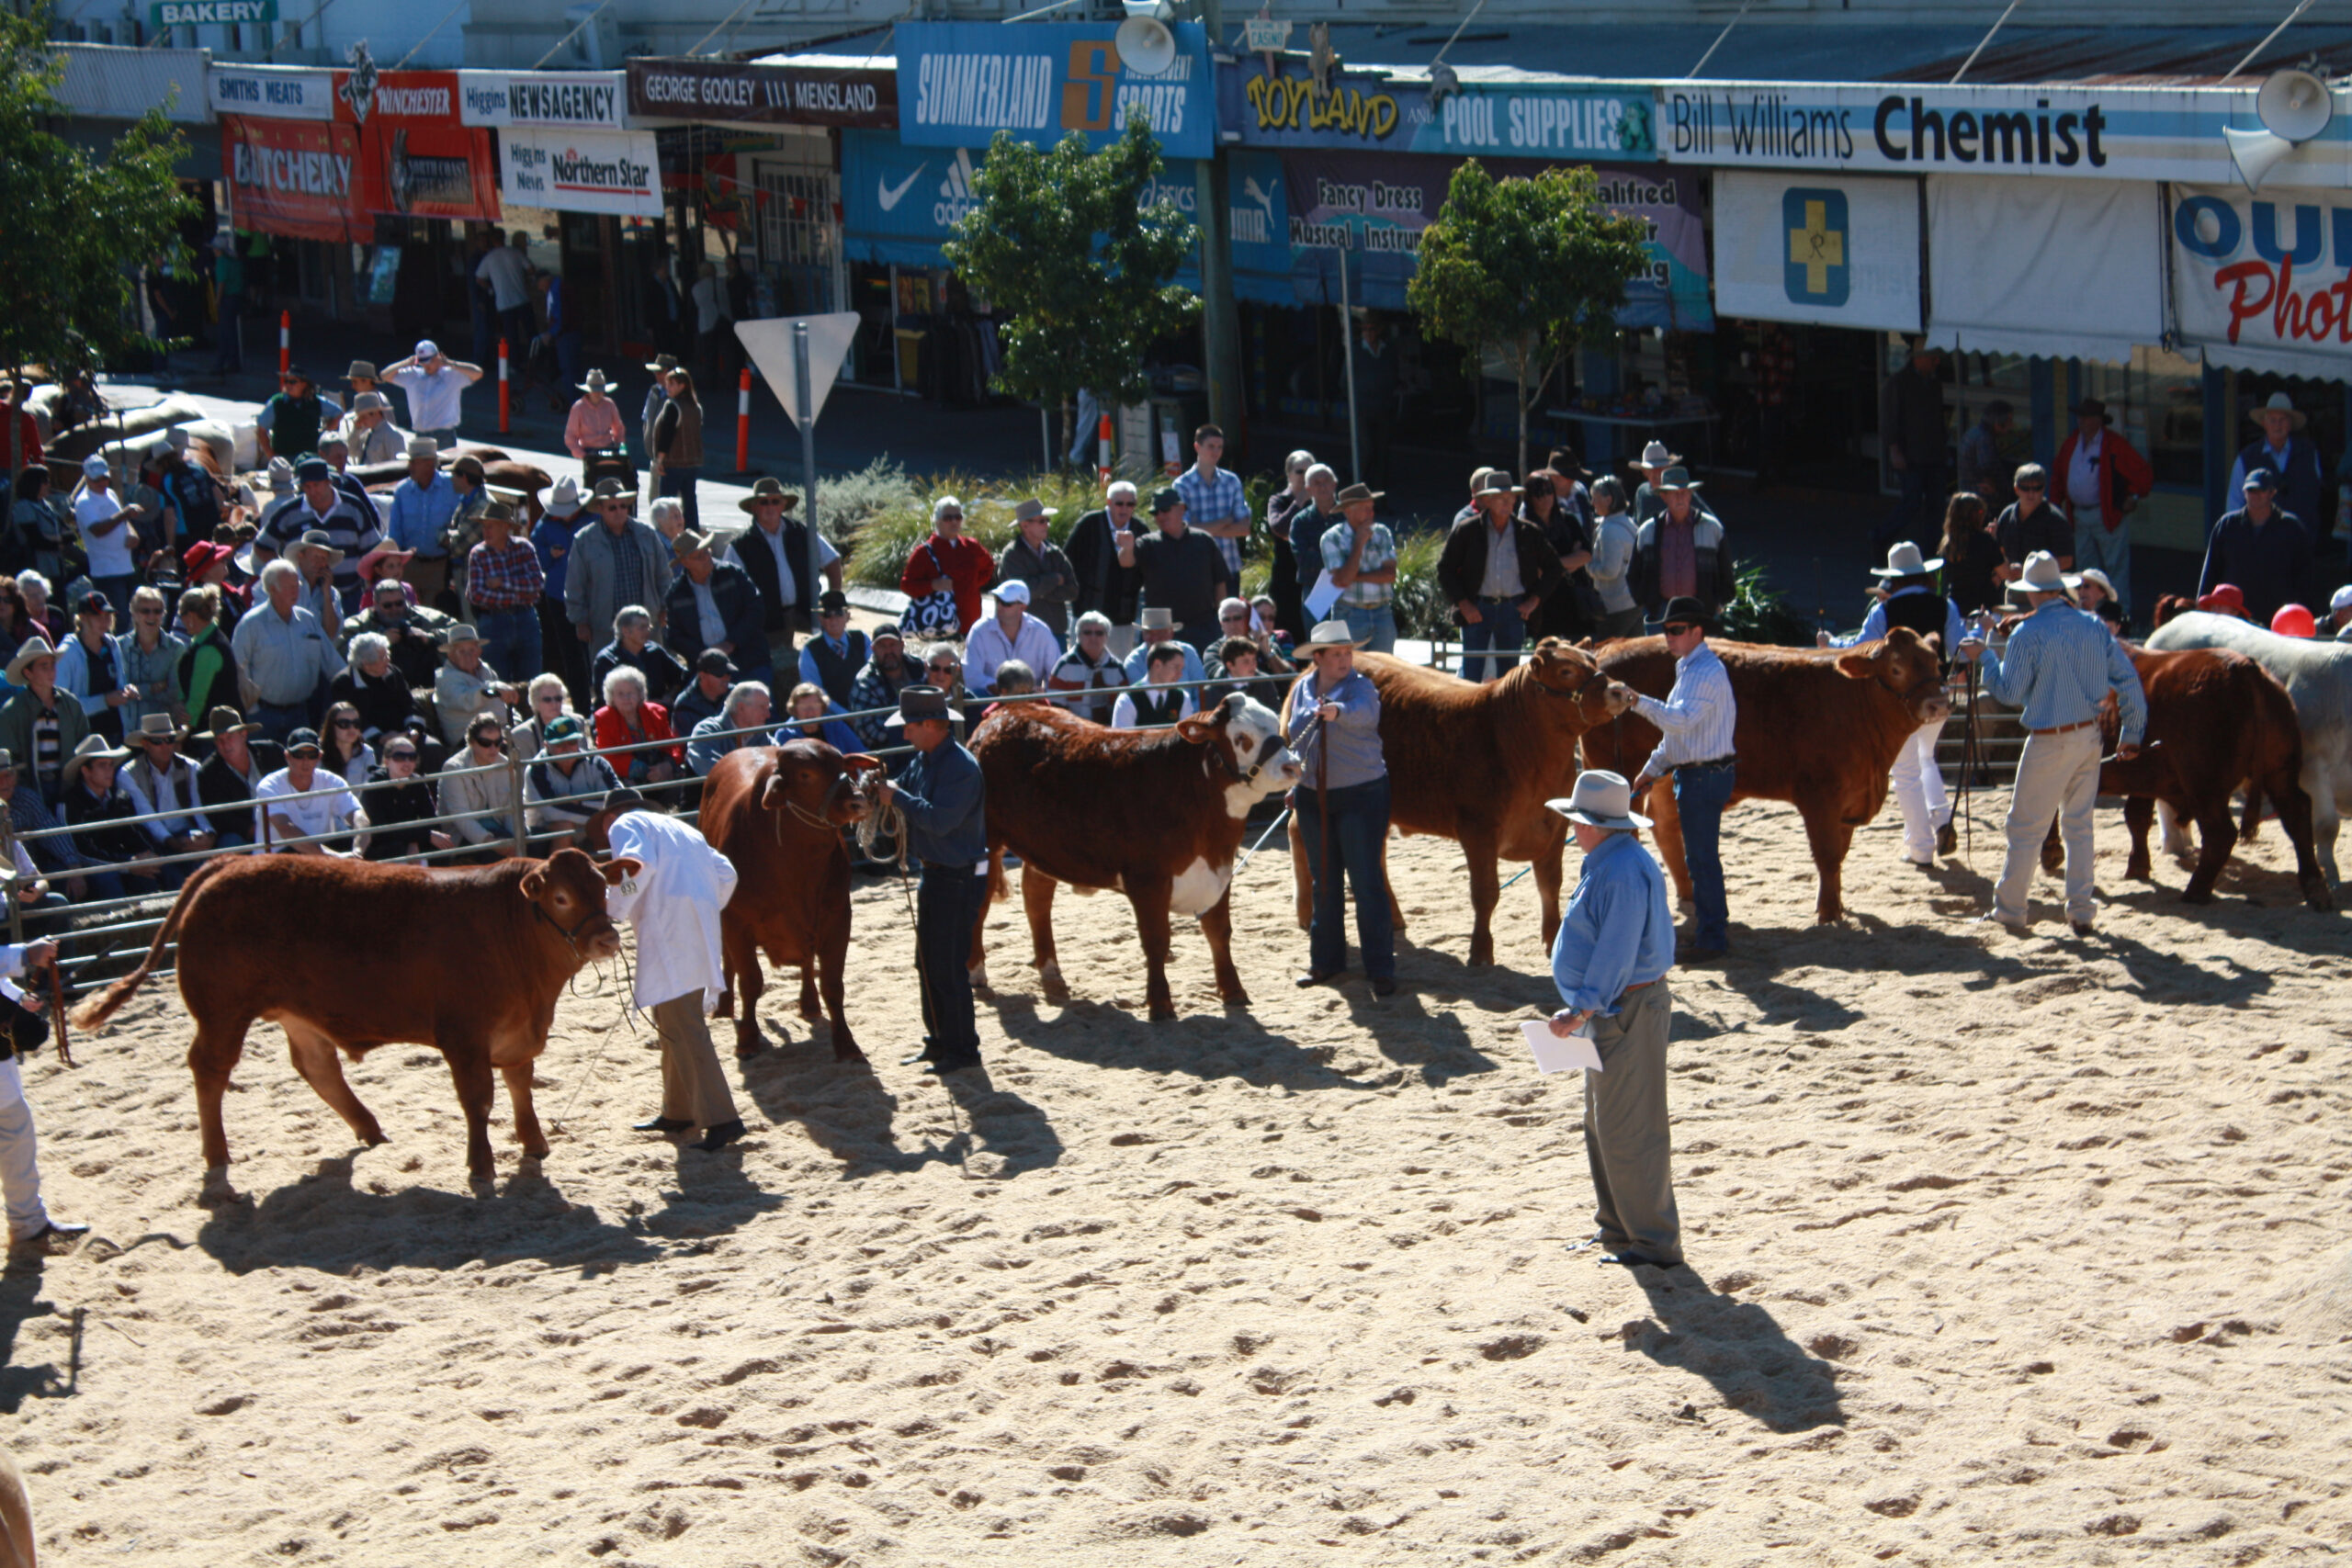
{"type": "Point", "coordinates": [714, 661]}
{"type": "Point", "coordinates": [427, 349]}
{"type": "Point", "coordinates": [2261, 478]}
{"type": "Point", "coordinates": [302, 741]}
{"type": "Point", "coordinates": [310, 470]}
{"type": "Point", "coordinates": [562, 728]}
{"type": "Point", "coordinates": [95, 466]}
{"type": "Point", "coordinates": [1012, 592]}
{"type": "Point", "coordinates": [2340, 600]}
{"type": "Point", "coordinates": [94, 603]}
{"type": "Point", "coordinates": [1161, 499]}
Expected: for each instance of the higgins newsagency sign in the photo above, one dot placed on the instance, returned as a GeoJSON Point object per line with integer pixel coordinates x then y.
{"type": "Point", "coordinates": [2065, 132]}
{"type": "Point", "coordinates": [960, 83]}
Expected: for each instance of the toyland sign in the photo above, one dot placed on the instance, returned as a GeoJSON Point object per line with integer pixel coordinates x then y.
{"type": "Point", "coordinates": [2261, 283]}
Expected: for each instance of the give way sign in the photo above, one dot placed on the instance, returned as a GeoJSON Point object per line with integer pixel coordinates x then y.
{"type": "Point", "coordinates": [769, 342]}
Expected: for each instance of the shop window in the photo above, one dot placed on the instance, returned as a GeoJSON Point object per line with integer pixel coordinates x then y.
{"type": "Point", "coordinates": [2158, 402]}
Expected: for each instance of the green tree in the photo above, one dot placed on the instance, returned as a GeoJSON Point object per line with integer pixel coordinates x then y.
{"type": "Point", "coordinates": [1535, 267]}
{"type": "Point", "coordinates": [1060, 240]}
{"type": "Point", "coordinates": [78, 228]}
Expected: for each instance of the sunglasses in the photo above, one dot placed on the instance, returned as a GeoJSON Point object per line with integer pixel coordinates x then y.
{"type": "Point", "coordinates": [1241, 616]}
{"type": "Point", "coordinates": [951, 664]}
{"type": "Point", "coordinates": [546, 697]}
{"type": "Point", "coordinates": [399, 756]}
{"type": "Point", "coordinates": [951, 517]}
{"type": "Point", "coordinates": [2032, 490]}
{"type": "Point", "coordinates": [346, 723]}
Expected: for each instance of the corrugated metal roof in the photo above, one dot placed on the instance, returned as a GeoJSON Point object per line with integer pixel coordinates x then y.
{"type": "Point", "coordinates": [110, 82]}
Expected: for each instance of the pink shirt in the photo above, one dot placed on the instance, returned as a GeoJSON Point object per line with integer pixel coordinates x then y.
{"type": "Point", "coordinates": [593, 424]}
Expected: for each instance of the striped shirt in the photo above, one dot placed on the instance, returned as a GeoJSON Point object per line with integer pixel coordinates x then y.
{"type": "Point", "coordinates": [1379, 553]}
{"type": "Point", "coordinates": [1216, 500]}
{"type": "Point", "coordinates": [2059, 664]}
{"type": "Point", "coordinates": [1696, 721]}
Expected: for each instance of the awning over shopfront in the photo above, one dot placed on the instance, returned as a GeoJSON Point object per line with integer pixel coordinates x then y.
{"type": "Point", "coordinates": [2066, 270]}
{"type": "Point", "coordinates": [2264, 282]}
{"type": "Point", "coordinates": [1826, 249]}
{"type": "Point", "coordinates": [109, 82]}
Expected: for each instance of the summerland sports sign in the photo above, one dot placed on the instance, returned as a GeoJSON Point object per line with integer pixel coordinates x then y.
{"type": "Point", "coordinates": [2059, 131]}
{"type": "Point", "coordinates": [762, 94]}
{"type": "Point", "coordinates": [960, 83]}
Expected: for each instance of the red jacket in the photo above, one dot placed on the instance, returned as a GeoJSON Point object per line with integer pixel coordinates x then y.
{"type": "Point", "coordinates": [964, 561]}
{"type": "Point", "coordinates": [2115, 457]}
{"type": "Point", "coordinates": [611, 732]}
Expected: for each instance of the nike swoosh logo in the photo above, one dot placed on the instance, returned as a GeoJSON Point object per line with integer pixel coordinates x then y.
{"type": "Point", "coordinates": [890, 197]}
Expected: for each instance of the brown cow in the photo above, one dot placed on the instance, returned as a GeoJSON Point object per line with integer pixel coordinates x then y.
{"type": "Point", "coordinates": [777, 812]}
{"type": "Point", "coordinates": [1154, 813]}
{"type": "Point", "coordinates": [353, 954]}
{"type": "Point", "coordinates": [1475, 762]}
{"type": "Point", "coordinates": [1816, 728]}
{"type": "Point", "coordinates": [2216, 719]}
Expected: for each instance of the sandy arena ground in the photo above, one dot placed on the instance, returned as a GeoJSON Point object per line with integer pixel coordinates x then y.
{"type": "Point", "coordinates": [2002, 1250]}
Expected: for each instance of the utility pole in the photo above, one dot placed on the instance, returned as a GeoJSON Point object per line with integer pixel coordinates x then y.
{"type": "Point", "coordinates": [1220, 321]}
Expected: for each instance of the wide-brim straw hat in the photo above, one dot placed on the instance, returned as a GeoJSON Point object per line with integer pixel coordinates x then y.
{"type": "Point", "coordinates": [1905, 561]}
{"type": "Point", "coordinates": [94, 748]}
{"type": "Point", "coordinates": [595, 382]}
{"type": "Point", "coordinates": [1332, 634]}
{"type": "Point", "coordinates": [2041, 575]}
{"type": "Point", "coordinates": [226, 721]}
{"type": "Point", "coordinates": [768, 489]}
{"type": "Point", "coordinates": [1603, 799]}
{"type": "Point", "coordinates": [156, 727]}
{"type": "Point", "coordinates": [2279, 402]}
{"type": "Point", "coordinates": [33, 647]}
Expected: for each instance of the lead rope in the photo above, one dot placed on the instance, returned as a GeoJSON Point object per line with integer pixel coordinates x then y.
{"type": "Point", "coordinates": [628, 1009]}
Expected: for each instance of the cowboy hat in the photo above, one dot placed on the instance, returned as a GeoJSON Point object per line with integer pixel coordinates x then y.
{"type": "Point", "coordinates": [1676, 477]}
{"type": "Point", "coordinates": [370, 402]}
{"type": "Point", "coordinates": [2093, 574]}
{"type": "Point", "coordinates": [564, 500]}
{"type": "Point", "coordinates": [595, 382]}
{"type": "Point", "coordinates": [663, 364]}
{"type": "Point", "coordinates": [94, 748]}
{"type": "Point", "coordinates": [319, 539]}
{"type": "Point", "coordinates": [362, 370]}
{"type": "Point", "coordinates": [1904, 560]}
{"type": "Point", "coordinates": [1656, 456]}
{"type": "Point", "coordinates": [1497, 482]}
{"type": "Point", "coordinates": [769, 489]}
{"type": "Point", "coordinates": [423, 446]}
{"type": "Point", "coordinates": [2091, 408]}
{"type": "Point", "coordinates": [378, 555]}
{"type": "Point", "coordinates": [460, 633]}
{"type": "Point", "coordinates": [610, 490]}
{"type": "Point", "coordinates": [1603, 799]}
{"type": "Point", "coordinates": [2041, 575]}
{"type": "Point", "coordinates": [227, 721]}
{"type": "Point", "coordinates": [1158, 618]}
{"type": "Point", "coordinates": [156, 727]}
{"type": "Point", "coordinates": [919, 702]}
{"type": "Point", "coordinates": [1332, 634]}
{"type": "Point", "coordinates": [202, 557]}
{"type": "Point", "coordinates": [688, 543]}
{"type": "Point", "coordinates": [2281, 403]}
{"type": "Point", "coordinates": [1358, 492]}
{"type": "Point", "coordinates": [1683, 610]}
{"type": "Point", "coordinates": [35, 646]}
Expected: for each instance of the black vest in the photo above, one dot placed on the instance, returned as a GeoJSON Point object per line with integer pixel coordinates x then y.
{"type": "Point", "coordinates": [751, 549]}
{"type": "Point", "coordinates": [1923, 613]}
{"type": "Point", "coordinates": [837, 673]}
{"type": "Point", "coordinates": [1156, 713]}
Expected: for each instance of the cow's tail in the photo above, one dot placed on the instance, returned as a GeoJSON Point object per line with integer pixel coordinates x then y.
{"type": "Point", "coordinates": [94, 1012]}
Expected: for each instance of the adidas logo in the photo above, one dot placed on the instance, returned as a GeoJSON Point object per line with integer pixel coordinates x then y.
{"type": "Point", "coordinates": [954, 191]}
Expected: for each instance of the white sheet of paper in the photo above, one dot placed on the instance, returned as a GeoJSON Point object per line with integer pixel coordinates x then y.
{"type": "Point", "coordinates": [1554, 1055]}
{"type": "Point", "coordinates": [1322, 596]}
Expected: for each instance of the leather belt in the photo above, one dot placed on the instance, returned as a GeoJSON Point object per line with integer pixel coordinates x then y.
{"type": "Point", "coordinates": [1710, 762]}
{"type": "Point", "coordinates": [1640, 986]}
{"type": "Point", "coordinates": [2065, 729]}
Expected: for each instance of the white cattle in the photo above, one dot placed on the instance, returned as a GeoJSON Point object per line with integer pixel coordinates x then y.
{"type": "Point", "coordinates": [2318, 678]}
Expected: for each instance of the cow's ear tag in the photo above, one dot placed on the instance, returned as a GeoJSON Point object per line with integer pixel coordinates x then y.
{"type": "Point", "coordinates": [629, 885]}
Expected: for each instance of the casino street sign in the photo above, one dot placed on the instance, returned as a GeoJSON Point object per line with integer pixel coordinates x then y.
{"type": "Point", "coordinates": [210, 13]}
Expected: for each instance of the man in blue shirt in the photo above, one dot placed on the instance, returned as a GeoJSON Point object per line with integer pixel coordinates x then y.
{"type": "Point", "coordinates": [422, 507]}
{"type": "Point", "coordinates": [1343, 805]}
{"type": "Point", "coordinates": [944, 799]}
{"type": "Point", "coordinates": [2060, 663]}
{"type": "Point", "coordinates": [1616, 943]}
{"type": "Point", "coordinates": [1697, 724]}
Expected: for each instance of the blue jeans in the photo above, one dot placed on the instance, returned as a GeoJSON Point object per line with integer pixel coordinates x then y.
{"type": "Point", "coordinates": [947, 899]}
{"type": "Point", "coordinates": [1359, 826]}
{"type": "Point", "coordinates": [118, 593]}
{"type": "Point", "coordinates": [2110, 552]}
{"type": "Point", "coordinates": [1499, 626]}
{"type": "Point", "coordinates": [279, 722]}
{"type": "Point", "coordinates": [1918, 514]}
{"type": "Point", "coordinates": [1374, 627]}
{"type": "Point", "coordinates": [510, 642]}
{"type": "Point", "coordinates": [1700, 796]}
{"type": "Point", "coordinates": [680, 483]}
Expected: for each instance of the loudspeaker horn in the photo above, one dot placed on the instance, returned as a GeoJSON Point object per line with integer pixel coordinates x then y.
{"type": "Point", "coordinates": [2256, 152]}
{"type": "Point", "coordinates": [2294, 103]}
{"type": "Point", "coordinates": [1145, 46]}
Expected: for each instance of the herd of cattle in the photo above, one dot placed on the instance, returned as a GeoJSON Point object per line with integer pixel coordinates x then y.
{"type": "Point", "coordinates": [1159, 816]}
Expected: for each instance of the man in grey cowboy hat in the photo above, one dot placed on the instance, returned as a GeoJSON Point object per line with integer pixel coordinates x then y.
{"type": "Point", "coordinates": [1495, 569]}
{"type": "Point", "coordinates": [944, 801]}
{"type": "Point", "coordinates": [1343, 805]}
{"type": "Point", "coordinates": [161, 784]}
{"type": "Point", "coordinates": [616, 559]}
{"type": "Point", "coordinates": [1362, 560]}
{"type": "Point", "coordinates": [1678, 553]}
{"type": "Point", "coordinates": [1609, 962]}
{"type": "Point", "coordinates": [1696, 726]}
{"type": "Point", "coordinates": [773, 551]}
{"type": "Point", "coordinates": [1156, 624]}
{"type": "Point", "coordinates": [368, 428]}
{"type": "Point", "coordinates": [2059, 664]}
{"type": "Point", "coordinates": [1032, 558]}
{"type": "Point", "coordinates": [2287, 453]}
{"type": "Point", "coordinates": [712, 604]}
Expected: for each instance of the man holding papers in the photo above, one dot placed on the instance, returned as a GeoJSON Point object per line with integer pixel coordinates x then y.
{"type": "Point", "coordinates": [1616, 943]}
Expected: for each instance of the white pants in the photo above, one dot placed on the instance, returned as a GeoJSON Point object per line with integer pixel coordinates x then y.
{"type": "Point", "coordinates": [2057, 776]}
{"type": "Point", "coordinates": [1919, 791]}
{"type": "Point", "coordinates": [19, 1171]}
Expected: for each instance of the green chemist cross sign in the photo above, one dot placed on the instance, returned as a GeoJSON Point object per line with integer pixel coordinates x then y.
{"type": "Point", "coordinates": [210, 13]}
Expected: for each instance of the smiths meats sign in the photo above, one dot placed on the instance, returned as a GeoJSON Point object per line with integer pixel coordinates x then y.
{"type": "Point", "coordinates": [2128, 133]}
{"type": "Point", "coordinates": [960, 83]}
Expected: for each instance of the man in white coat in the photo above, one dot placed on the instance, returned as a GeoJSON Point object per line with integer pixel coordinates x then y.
{"type": "Point", "coordinates": [28, 1222]}
{"type": "Point", "coordinates": [673, 902]}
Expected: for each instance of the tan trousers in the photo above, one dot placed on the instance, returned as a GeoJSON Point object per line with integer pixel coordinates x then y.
{"type": "Point", "coordinates": [693, 1086]}
{"type": "Point", "coordinates": [20, 1170]}
{"type": "Point", "coordinates": [1625, 1136]}
{"type": "Point", "coordinates": [2057, 776]}
{"type": "Point", "coordinates": [429, 578]}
